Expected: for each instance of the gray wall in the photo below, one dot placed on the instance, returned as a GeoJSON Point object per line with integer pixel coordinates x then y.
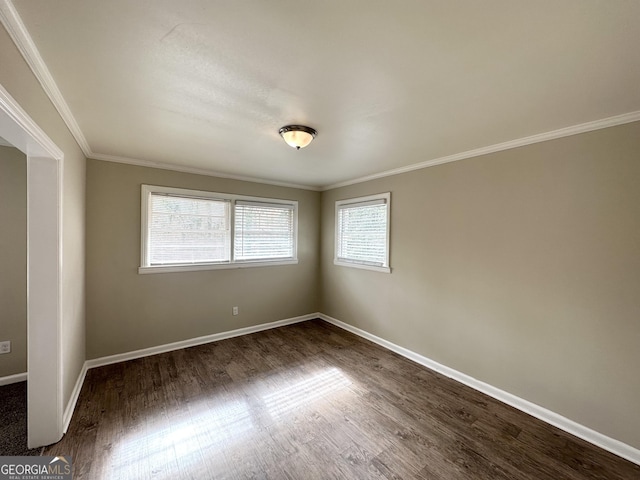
{"type": "Point", "coordinates": [22, 85]}
{"type": "Point", "coordinates": [127, 311]}
{"type": "Point", "coordinates": [519, 268]}
{"type": "Point", "coordinates": [13, 259]}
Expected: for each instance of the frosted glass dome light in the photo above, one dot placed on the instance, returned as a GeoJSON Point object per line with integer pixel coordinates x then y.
{"type": "Point", "coordinates": [297, 136]}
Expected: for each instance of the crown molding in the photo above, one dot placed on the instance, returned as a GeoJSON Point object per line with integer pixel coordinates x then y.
{"type": "Point", "coordinates": [23, 41]}
{"type": "Point", "coordinates": [11, 20]}
{"type": "Point", "coordinates": [498, 147]}
{"type": "Point", "coordinates": [196, 171]}
{"type": "Point", "coordinates": [37, 141]}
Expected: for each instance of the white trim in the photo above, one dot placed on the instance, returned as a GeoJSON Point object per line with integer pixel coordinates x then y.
{"type": "Point", "coordinates": [145, 215]}
{"type": "Point", "coordinates": [20, 36]}
{"type": "Point", "coordinates": [498, 147]}
{"type": "Point", "coordinates": [73, 400]}
{"type": "Point", "coordinates": [189, 192]}
{"type": "Point", "coordinates": [211, 266]}
{"type": "Point", "coordinates": [9, 379]}
{"type": "Point", "coordinates": [44, 270]}
{"type": "Point", "coordinates": [25, 134]}
{"type": "Point", "coordinates": [362, 266]}
{"type": "Point", "coordinates": [376, 199]}
{"type": "Point", "coordinates": [585, 433]}
{"type": "Point", "coordinates": [197, 171]}
{"type": "Point", "coordinates": [10, 18]}
{"type": "Point", "coordinates": [44, 300]}
{"type": "Point", "coordinates": [25, 44]}
{"type": "Point", "coordinates": [607, 443]}
{"type": "Point", "coordinates": [146, 352]}
{"type": "Point", "coordinates": [230, 200]}
{"type": "Point", "coordinates": [192, 342]}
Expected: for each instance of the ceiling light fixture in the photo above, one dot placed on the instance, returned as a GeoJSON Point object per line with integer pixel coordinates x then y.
{"type": "Point", "coordinates": [297, 136]}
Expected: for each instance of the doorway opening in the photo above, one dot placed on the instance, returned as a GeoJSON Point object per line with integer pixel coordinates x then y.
{"type": "Point", "coordinates": [44, 269]}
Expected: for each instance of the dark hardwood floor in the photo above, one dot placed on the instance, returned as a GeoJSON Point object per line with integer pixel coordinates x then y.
{"type": "Point", "coordinates": [309, 401]}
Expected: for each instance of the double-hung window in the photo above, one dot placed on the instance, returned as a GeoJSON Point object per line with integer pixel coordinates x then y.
{"type": "Point", "coordinates": [196, 230]}
{"type": "Point", "coordinates": [362, 232]}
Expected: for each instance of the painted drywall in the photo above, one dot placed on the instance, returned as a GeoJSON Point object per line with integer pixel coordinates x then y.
{"type": "Point", "coordinates": [17, 78]}
{"type": "Point", "coordinates": [13, 258]}
{"type": "Point", "coordinates": [128, 311]}
{"type": "Point", "coordinates": [519, 268]}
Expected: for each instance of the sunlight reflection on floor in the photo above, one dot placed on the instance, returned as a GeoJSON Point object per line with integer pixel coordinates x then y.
{"type": "Point", "coordinates": [175, 442]}
{"type": "Point", "coordinates": [304, 392]}
{"type": "Point", "coordinates": [181, 437]}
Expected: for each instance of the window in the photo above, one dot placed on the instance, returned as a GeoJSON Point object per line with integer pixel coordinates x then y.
{"type": "Point", "coordinates": [194, 230]}
{"type": "Point", "coordinates": [362, 232]}
{"type": "Point", "coordinates": [263, 231]}
{"type": "Point", "coordinates": [187, 230]}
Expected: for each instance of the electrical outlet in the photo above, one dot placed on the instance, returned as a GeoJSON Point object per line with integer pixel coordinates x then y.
{"type": "Point", "coordinates": [5, 347]}
{"type": "Point", "coordinates": [235, 310]}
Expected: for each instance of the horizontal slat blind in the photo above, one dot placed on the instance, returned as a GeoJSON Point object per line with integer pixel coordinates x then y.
{"type": "Point", "coordinates": [362, 233]}
{"type": "Point", "coordinates": [263, 231]}
{"type": "Point", "coordinates": [187, 230]}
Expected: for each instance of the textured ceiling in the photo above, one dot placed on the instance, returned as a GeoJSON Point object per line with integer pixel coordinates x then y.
{"type": "Point", "coordinates": [207, 84]}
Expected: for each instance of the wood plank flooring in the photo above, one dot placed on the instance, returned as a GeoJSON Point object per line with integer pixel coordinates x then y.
{"type": "Point", "coordinates": [309, 401]}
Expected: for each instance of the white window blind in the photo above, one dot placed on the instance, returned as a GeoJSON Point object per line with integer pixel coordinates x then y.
{"type": "Point", "coordinates": [263, 231]}
{"type": "Point", "coordinates": [186, 230]}
{"type": "Point", "coordinates": [362, 236]}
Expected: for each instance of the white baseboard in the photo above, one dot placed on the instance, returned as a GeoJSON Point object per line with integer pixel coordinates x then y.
{"type": "Point", "coordinates": [607, 443]}
{"type": "Point", "coordinates": [18, 377]}
{"type": "Point", "coordinates": [71, 405]}
{"type": "Point", "coordinates": [146, 352]}
{"type": "Point", "coordinates": [192, 342]}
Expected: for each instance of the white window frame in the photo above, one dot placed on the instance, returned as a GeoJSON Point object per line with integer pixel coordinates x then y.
{"type": "Point", "coordinates": [145, 215]}
{"type": "Point", "coordinates": [346, 263]}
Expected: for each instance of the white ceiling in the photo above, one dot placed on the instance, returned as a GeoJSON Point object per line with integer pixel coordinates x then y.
{"type": "Point", "coordinates": [205, 85]}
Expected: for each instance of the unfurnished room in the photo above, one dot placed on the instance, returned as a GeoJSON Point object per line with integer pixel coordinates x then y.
{"type": "Point", "coordinates": [320, 240]}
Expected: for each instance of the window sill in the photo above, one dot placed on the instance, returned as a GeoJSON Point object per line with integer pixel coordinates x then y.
{"type": "Point", "coordinates": [211, 266]}
{"type": "Point", "coordinates": [362, 266]}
